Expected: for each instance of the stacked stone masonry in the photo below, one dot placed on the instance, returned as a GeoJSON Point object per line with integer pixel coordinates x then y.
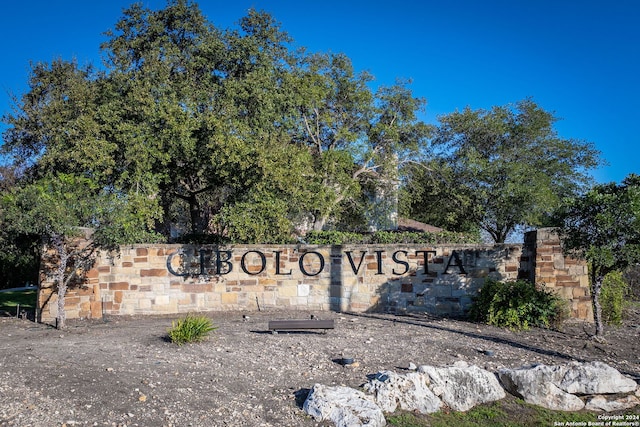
{"type": "Point", "coordinates": [438, 279]}
{"type": "Point", "coordinates": [566, 276]}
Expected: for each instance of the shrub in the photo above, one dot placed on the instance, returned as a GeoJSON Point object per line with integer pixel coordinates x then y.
{"type": "Point", "coordinates": [190, 329]}
{"type": "Point", "coordinates": [517, 305]}
{"type": "Point", "coordinates": [613, 297]}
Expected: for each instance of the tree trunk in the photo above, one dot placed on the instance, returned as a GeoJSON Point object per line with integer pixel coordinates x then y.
{"type": "Point", "coordinates": [195, 214]}
{"type": "Point", "coordinates": [62, 315]}
{"type": "Point", "coordinates": [596, 289]}
{"type": "Point", "coordinates": [163, 225]}
{"type": "Point", "coordinates": [318, 223]}
{"type": "Point", "coordinates": [320, 219]}
{"type": "Point", "coordinates": [63, 259]}
{"type": "Point", "coordinates": [500, 233]}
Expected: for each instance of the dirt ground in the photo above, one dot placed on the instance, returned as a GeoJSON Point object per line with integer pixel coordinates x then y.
{"type": "Point", "coordinates": [124, 372]}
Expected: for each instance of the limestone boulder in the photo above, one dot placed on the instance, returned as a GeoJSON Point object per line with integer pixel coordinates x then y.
{"type": "Point", "coordinates": [406, 391]}
{"type": "Point", "coordinates": [537, 385]}
{"type": "Point", "coordinates": [344, 406]}
{"type": "Point", "coordinates": [461, 387]}
{"type": "Point", "coordinates": [595, 378]}
{"type": "Point", "coordinates": [609, 404]}
{"type": "Point", "coordinates": [557, 387]}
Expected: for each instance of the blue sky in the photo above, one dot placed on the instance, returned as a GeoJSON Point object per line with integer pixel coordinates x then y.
{"type": "Point", "coordinates": [577, 58]}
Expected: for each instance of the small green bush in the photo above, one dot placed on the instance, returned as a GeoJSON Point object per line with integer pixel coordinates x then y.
{"type": "Point", "coordinates": [613, 297]}
{"type": "Point", "coordinates": [517, 305]}
{"type": "Point", "coordinates": [190, 329]}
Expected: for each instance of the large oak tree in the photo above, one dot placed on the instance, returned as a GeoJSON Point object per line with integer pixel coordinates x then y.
{"type": "Point", "coordinates": [500, 169]}
{"type": "Point", "coordinates": [195, 124]}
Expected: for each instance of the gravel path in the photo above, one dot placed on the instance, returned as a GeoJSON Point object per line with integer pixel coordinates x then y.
{"type": "Point", "coordinates": [124, 372]}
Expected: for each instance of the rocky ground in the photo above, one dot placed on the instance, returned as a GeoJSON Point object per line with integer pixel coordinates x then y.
{"type": "Point", "coordinates": [124, 372]}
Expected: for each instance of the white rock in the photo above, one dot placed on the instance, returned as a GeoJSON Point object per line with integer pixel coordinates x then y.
{"type": "Point", "coordinates": [343, 406]}
{"type": "Point", "coordinates": [462, 387]}
{"type": "Point", "coordinates": [537, 385]}
{"type": "Point", "coordinates": [595, 378]}
{"type": "Point", "coordinates": [601, 403]}
{"type": "Point", "coordinates": [409, 392]}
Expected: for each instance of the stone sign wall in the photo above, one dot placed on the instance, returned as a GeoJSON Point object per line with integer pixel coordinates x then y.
{"type": "Point", "coordinates": [169, 279]}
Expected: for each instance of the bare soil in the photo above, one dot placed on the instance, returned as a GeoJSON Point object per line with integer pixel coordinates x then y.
{"type": "Point", "coordinates": [124, 371]}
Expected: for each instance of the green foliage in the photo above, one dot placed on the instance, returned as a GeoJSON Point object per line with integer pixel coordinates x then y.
{"type": "Point", "coordinates": [189, 122]}
{"type": "Point", "coordinates": [504, 413]}
{"type": "Point", "coordinates": [358, 138]}
{"type": "Point", "coordinates": [386, 237]}
{"type": "Point", "coordinates": [615, 291]}
{"type": "Point", "coordinates": [189, 126]}
{"type": "Point", "coordinates": [330, 237]}
{"type": "Point", "coordinates": [190, 329]}
{"type": "Point", "coordinates": [392, 237]}
{"type": "Point", "coordinates": [259, 221]}
{"type": "Point", "coordinates": [506, 167]}
{"type": "Point", "coordinates": [517, 305]}
{"type": "Point", "coordinates": [432, 194]}
{"type": "Point", "coordinates": [202, 239]}
{"type": "Point", "coordinates": [603, 227]}
{"type": "Point", "coordinates": [58, 205]}
{"type": "Point", "coordinates": [61, 208]}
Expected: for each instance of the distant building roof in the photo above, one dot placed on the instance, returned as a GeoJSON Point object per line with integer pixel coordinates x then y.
{"type": "Point", "coordinates": [405, 224]}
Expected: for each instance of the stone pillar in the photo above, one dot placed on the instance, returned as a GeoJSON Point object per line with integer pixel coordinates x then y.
{"type": "Point", "coordinates": [568, 277]}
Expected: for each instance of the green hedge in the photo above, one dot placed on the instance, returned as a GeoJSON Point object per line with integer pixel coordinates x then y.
{"type": "Point", "coordinates": [388, 237]}
{"type": "Point", "coordinates": [346, 238]}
